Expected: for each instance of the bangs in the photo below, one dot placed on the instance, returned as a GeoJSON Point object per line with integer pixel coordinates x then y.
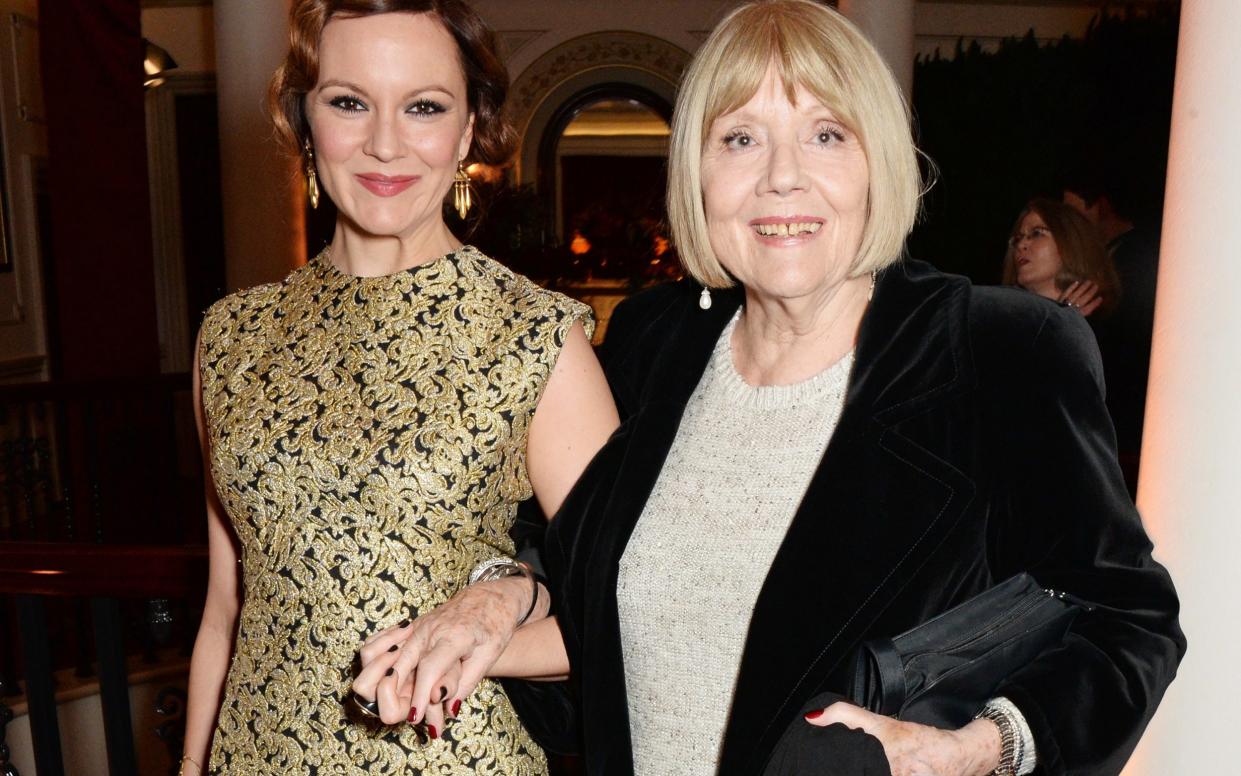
{"type": "Point", "coordinates": [809, 47]}
{"type": "Point", "coordinates": [791, 47]}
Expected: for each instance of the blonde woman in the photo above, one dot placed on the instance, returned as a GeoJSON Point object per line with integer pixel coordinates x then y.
{"type": "Point", "coordinates": [822, 444]}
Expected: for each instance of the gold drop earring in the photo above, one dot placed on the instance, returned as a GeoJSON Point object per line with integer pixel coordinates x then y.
{"type": "Point", "coordinates": [312, 180]}
{"type": "Point", "coordinates": [461, 190]}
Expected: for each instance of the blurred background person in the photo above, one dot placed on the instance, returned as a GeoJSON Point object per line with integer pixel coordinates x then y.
{"type": "Point", "coordinates": [1054, 252]}
{"type": "Point", "coordinates": [1125, 337]}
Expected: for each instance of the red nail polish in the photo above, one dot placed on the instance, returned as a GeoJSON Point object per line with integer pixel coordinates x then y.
{"type": "Point", "coordinates": [815, 714]}
{"type": "Point", "coordinates": [392, 648]}
{"type": "Point", "coordinates": [413, 712]}
{"type": "Point", "coordinates": [403, 624]}
{"type": "Point", "coordinates": [456, 708]}
{"type": "Point", "coordinates": [433, 731]}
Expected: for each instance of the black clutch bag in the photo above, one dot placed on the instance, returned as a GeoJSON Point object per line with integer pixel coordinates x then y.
{"type": "Point", "coordinates": [944, 671]}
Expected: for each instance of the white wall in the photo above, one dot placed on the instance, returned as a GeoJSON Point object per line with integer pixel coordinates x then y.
{"type": "Point", "coordinates": [186, 33]}
{"type": "Point", "coordinates": [1188, 488]}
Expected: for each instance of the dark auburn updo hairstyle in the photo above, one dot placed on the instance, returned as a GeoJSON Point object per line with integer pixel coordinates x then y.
{"type": "Point", "coordinates": [486, 78]}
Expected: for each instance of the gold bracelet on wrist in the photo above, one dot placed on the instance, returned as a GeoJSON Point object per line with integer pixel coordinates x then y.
{"type": "Point", "coordinates": [187, 759]}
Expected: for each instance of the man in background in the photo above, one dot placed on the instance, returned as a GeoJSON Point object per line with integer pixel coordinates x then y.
{"type": "Point", "coordinates": [1125, 337]}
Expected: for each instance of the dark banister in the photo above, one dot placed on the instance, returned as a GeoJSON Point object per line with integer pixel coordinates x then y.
{"type": "Point", "coordinates": [40, 692]}
{"type": "Point", "coordinates": [113, 685]}
{"type": "Point", "coordinates": [110, 570]}
{"type": "Point", "coordinates": [31, 571]}
{"type": "Point", "coordinates": [70, 390]}
{"type": "Point", "coordinates": [99, 460]}
{"type": "Point", "coordinates": [6, 766]}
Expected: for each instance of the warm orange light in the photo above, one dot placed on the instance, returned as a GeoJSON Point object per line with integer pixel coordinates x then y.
{"type": "Point", "coordinates": [661, 245]}
{"type": "Point", "coordinates": [46, 572]}
{"type": "Point", "coordinates": [579, 245]}
{"type": "Point", "coordinates": [484, 172]}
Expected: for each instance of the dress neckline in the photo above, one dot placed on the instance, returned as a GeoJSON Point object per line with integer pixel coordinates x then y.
{"type": "Point", "coordinates": [330, 271]}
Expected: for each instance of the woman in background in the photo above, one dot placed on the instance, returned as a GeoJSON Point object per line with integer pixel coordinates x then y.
{"type": "Point", "coordinates": [1056, 253]}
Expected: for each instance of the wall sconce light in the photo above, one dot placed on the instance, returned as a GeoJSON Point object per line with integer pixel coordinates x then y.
{"type": "Point", "coordinates": [155, 65]}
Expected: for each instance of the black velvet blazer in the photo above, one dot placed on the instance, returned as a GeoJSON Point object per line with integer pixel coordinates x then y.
{"type": "Point", "coordinates": [974, 443]}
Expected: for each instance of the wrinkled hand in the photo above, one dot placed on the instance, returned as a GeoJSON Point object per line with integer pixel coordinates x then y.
{"type": "Point", "coordinates": [420, 671]}
{"type": "Point", "coordinates": [1083, 296]}
{"type": "Point", "coordinates": [919, 750]}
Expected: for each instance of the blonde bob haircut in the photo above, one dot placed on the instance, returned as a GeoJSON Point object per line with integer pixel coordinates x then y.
{"type": "Point", "coordinates": [813, 47]}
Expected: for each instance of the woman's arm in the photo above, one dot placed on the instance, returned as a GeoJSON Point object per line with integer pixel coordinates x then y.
{"type": "Point", "coordinates": [575, 416]}
{"type": "Point", "coordinates": [214, 646]}
{"type": "Point", "coordinates": [1068, 520]}
{"type": "Point", "coordinates": [1062, 514]}
{"type": "Point", "coordinates": [455, 646]}
{"type": "Point", "coordinates": [535, 652]}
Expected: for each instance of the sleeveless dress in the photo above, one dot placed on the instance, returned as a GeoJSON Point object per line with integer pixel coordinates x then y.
{"type": "Point", "coordinates": [368, 442]}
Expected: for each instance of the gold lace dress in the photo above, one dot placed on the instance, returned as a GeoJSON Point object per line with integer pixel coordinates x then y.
{"type": "Point", "coordinates": [368, 441]}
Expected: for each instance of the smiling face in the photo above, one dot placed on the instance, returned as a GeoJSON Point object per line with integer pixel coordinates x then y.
{"type": "Point", "coordinates": [785, 187]}
{"type": "Point", "coordinates": [389, 120]}
{"type": "Point", "coordinates": [1036, 256]}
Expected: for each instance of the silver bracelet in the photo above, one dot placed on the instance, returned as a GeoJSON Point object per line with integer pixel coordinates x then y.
{"type": "Point", "coordinates": [495, 568]}
{"type": "Point", "coordinates": [502, 567]}
{"type": "Point", "coordinates": [1010, 739]}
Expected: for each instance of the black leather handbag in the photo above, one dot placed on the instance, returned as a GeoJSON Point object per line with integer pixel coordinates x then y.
{"type": "Point", "coordinates": [944, 671]}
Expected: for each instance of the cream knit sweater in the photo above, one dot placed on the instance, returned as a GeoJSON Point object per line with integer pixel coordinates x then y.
{"type": "Point", "coordinates": [690, 576]}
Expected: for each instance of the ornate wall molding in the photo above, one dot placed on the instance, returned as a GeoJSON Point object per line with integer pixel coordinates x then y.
{"type": "Point", "coordinates": [577, 64]}
{"type": "Point", "coordinates": [515, 41]}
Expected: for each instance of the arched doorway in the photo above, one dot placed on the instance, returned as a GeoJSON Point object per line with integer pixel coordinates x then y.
{"type": "Point", "coordinates": [564, 74]}
{"type": "Point", "coordinates": [605, 146]}
{"type": "Point", "coordinates": [593, 116]}
{"type": "Point", "coordinates": [602, 173]}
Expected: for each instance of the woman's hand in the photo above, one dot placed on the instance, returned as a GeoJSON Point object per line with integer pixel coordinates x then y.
{"type": "Point", "coordinates": [1083, 296]}
{"type": "Point", "coordinates": [919, 750]}
{"type": "Point", "coordinates": [420, 671]}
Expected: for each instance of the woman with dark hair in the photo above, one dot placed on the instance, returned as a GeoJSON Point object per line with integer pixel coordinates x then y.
{"type": "Point", "coordinates": [371, 422]}
{"type": "Point", "coordinates": [1056, 253]}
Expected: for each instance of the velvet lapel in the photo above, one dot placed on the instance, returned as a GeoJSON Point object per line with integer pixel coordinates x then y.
{"type": "Point", "coordinates": [876, 507]}
{"type": "Point", "coordinates": [689, 337]}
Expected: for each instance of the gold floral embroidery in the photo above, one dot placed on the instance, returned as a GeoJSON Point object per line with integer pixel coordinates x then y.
{"type": "Point", "coordinates": [368, 443]}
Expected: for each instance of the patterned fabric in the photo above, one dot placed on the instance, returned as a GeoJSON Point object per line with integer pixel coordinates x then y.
{"type": "Point", "coordinates": [368, 442]}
